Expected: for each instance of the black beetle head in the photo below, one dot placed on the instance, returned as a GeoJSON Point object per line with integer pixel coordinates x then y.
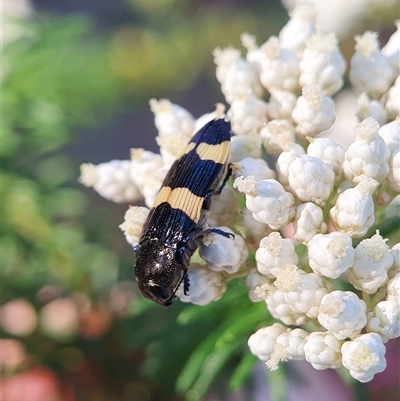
{"type": "Point", "coordinates": [158, 272]}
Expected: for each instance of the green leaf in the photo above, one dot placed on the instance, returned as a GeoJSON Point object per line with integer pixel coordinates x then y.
{"type": "Point", "coordinates": [242, 371]}
{"type": "Point", "coordinates": [211, 368]}
{"type": "Point", "coordinates": [211, 355]}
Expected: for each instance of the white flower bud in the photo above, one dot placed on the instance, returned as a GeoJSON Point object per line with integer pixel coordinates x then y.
{"type": "Point", "coordinates": [221, 253]}
{"type": "Point", "coordinates": [275, 251]}
{"type": "Point", "coordinates": [308, 222]}
{"type": "Point", "coordinates": [278, 306]}
{"type": "Point", "coordinates": [256, 229]}
{"type": "Point", "coordinates": [254, 53]}
{"type": "Point", "coordinates": [283, 161]}
{"type": "Point", "coordinates": [289, 345]}
{"type": "Point", "coordinates": [390, 133]}
{"type": "Point", "coordinates": [243, 146]}
{"type": "Point", "coordinates": [372, 260]}
{"type": "Point", "coordinates": [313, 112]}
{"type": "Point", "coordinates": [392, 50]}
{"type": "Point", "coordinates": [393, 288]}
{"type": "Point", "coordinates": [299, 28]}
{"type": "Point", "coordinates": [277, 135]}
{"type": "Point", "coordinates": [171, 119]}
{"type": "Point", "coordinates": [241, 77]}
{"type": "Point", "coordinates": [224, 208]}
{"type": "Point", "coordinates": [237, 77]}
{"type": "Point", "coordinates": [370, 71]}
{"type": "Point", "coordinates": [218, 113]}
{"type": "Point", "coordinates": [364, 356]}
{"type": "Point", "coordinates": [331, 255]}
{"type": "Point", "coordinates": [330, 152]}
{"type": "Point", "coordinates": [343, 314]}
{"type": "Point", "coordinates": [172, 147]}
{"type": "Point", "coordinates": [394, 173]}
{"type": "Point", "coordinates": [368, 155]}
{"type": "Point", "coordinates": [279, 68]}
{"type": "Point", "coordinates": [153, 184]}
{"type": "Point", "coordinates": [205, 285]}
{"type": "Point", "coordinates": [370, 108]}
{"type": "Point", "coordinates": [267, 200]}
{"type": "Point", "coordinates": [134, 220]}
{"type": "Point", "coordinates": [262, 342]}
{"type": "Point", "coordinates": [302, 292]}
{"type": "Point", "coordinates": [310, 179]}
{"type": "Point", "coordinates": [385, 320]}
{"type": "Point", "coordinates": [255, 281]}
{"type": "Point", "coordinates": [281, 104]}
{"type": "Point", "coordinates": [143, 165]}
{"type": "Point", "coordinates": [322, 350]}
{"type": "Point", "coordinates": [223, 59]}
{"type": "Point", "coordinates": [322, 63]}
{"type": "Point", "coordinates": [392, 103]}
{"type": "Point", "coordinates": [247, 114]}
{"type": "Point", "coordinates": [353, 212]}
{"type": "Point", "coordinates": [250, 166]}
{"type": "Point", "coordinates": [111, 180]}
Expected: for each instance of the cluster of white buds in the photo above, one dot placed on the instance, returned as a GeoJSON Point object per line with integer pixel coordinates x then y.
{"type": "Point", "coordinates": [322, 195]}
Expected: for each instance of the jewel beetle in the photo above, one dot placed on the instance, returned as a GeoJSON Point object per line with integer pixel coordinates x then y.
{"type": "Point", "coordinates": [178, 218]}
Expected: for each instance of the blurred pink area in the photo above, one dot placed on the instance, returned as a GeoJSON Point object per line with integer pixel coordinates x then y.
{"type": "Point", "coordinates": [18, 317]}
{"type": "Point", "coordinates": [386, 385]}
{"type": "Point", "coordinates": [12, 355]}
{"type": "Point", "coordinates": [38, 384]}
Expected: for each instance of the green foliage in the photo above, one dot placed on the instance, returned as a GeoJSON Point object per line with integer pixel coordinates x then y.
{"type": "Point", "coordinates": [197, 343]}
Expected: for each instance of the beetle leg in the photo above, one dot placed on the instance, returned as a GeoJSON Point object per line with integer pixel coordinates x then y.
{"type": "Point", "coordinates": [186, 284]}
{"type": "Point", "coordinates": [209, 194]}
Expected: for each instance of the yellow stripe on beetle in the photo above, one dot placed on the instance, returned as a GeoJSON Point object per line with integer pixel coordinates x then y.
{"type": "Point", "coordinates": [216, 153]}
{"type": "Point", "coordinates": [162, 196]}
{"type": "Point", "coordinates": [182, 199]}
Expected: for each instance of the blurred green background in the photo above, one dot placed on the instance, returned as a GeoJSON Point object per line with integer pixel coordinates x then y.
{"type": "Point", "coordinates": [76, 79]}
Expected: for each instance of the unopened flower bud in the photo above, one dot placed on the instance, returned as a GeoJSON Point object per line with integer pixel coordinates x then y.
{"type": "Point", "coordinates": [223, 254]}
{"type": "Point", "coordinates": [385, 320]}
{"type": "Point", "coordinates": [372, 260]}
{"type": "Point", "coordinates": [262, 342]}
{"type": "Point", "coordinates": [134, 220]}
{"type": "Point", "coordinates": [275, 251]}
{"type": "Point", "coordinates": [111, 180]}
{"type": "Point", "coordinates": [308, 222]}
{"type": "Point", "coordinates": [310, 179]}
{"type": "Point", "coordinates": [343, 314]}
{"type": "Point", "coordinates": [331, 255]}
{"type": "Point", "coordinates": [277, 135]}
{"type": "Point", "coordinates": [279, 68]}
{"type": "Point", "coordinates": [268, 201]}
{"type": "Point", "coordinates": [370, 71]}
{"type": "Point", "coordinates": [368, 155]}
{"type": "Point", "coordinates": [171, 119]}
{"type": "Point", "coordinates": [314, 112]}
{"type": "Point", "coordinates": [205, 285]}
{"type": "Point", "coordinates": [322, 350]}
{"type": "Point", "coordinates": [364, 356]}
{"type": "Point", "coordinates": [370, 108]}
{"type": "Point", "coordinates": [353, 212]}
{"type": "Point", "coordinates": [322, 63]}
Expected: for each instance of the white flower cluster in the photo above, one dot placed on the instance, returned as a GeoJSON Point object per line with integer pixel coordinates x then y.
{"type": "Point", "coordinates": [318, 194]}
